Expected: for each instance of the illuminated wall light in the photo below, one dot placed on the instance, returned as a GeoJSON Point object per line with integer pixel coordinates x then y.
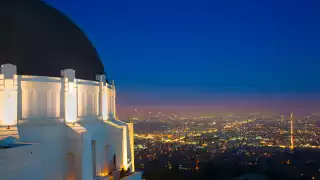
{"type": "Point", "coordinates": [9, 104]}
{"type": "Point", "coordinates": [105, 106]}
{"type": "Point", "coordinates": [131, 142]}
{"type": "Point", "coordinates": [70, 95]}
{"type": "Point", "coordinates": [114, 102]}
{"type": "Point", "coordinates": [124, 148]}
{"type": "Point", "coordinates": [71, 103]}
{"type": "Point", "coordinates": [103, 97]}
{"type": "Point", "coordinates": [109, 101]}
{"type": "Point", "coordinates": [9, 95]}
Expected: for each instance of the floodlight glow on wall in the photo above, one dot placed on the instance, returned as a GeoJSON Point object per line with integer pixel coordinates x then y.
{"type": "Point", "coordinates": [9, 104]}
{"type": "Point", "coordinates": [8, 95]}
{"type": "Point", "coordinates": [124, 148]}
{"type": "Point", "coordinates": [105, 107]}
{"type": "Point", "coordinates": [71, 103]}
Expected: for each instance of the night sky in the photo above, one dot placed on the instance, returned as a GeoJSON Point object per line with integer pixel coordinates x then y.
{"type": "Point", "coordinates": [178, 52]}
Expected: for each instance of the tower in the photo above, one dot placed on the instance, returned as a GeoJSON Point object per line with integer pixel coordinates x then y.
{"type": "Point", "coordinates": [149, 117]}
{"type": "Point", "coordinates": [291, 132]}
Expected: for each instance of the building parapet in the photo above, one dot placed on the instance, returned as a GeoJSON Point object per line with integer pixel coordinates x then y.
{"type": "Point", "coordinates": [63, 99]}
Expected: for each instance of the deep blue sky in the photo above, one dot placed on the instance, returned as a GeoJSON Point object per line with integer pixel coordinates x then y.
{"type": "Point", "coordinates": [174, 47]}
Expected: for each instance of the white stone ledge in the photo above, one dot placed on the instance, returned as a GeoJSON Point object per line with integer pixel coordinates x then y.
{"type": "Point", "coordinates": [40, 78]}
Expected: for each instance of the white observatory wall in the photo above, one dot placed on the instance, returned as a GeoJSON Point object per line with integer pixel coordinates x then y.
{"type": "Point", "coordinates": [52, 139]}
{"type": "Point", "coordinates": [108, 143]}
{"type": "Point", "coordinates": [8, 95]}
{"type": "Point", "coordinates": [41, 120]}
{"type": "Point", "coordinates": [130, 145]}
{"type": "Point", "coordinates": [40, 98]}
{"type": "Point", "coordinates": [100, 136]}
{"type": "Point", "coordinates": [22, 162]}
{"type": "Point", "coordinates": [88, 100]}
{"type": "Point", "coordinates": [110, 102]}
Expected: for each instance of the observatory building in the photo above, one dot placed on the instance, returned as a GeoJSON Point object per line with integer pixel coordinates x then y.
{"type": "Point", "coordinates": [57, 109]}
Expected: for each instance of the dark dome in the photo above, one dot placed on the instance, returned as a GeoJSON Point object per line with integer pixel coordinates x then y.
{"type": "Point", "coordinates": [42, 41]}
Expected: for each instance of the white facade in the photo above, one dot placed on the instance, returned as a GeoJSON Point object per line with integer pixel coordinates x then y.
{"type": "Point", "coordinates": [72, 121]}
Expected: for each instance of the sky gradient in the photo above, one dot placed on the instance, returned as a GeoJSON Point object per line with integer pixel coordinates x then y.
{"type": "Point", "coordinates": [182, 51]}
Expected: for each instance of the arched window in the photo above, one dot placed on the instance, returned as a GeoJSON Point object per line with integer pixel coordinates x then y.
{"type": "Point", "coordinates": [94, 166]}
{"type": "Point", "coordinates": [114, 162]}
